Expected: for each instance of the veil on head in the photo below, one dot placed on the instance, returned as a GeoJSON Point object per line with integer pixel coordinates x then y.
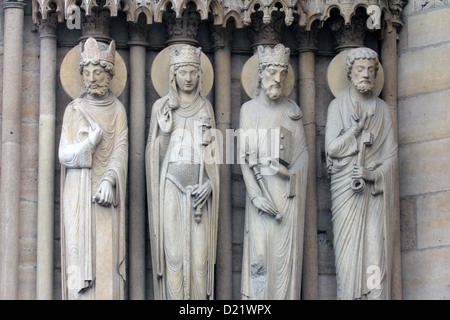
{"type": "Point", "coordinates": [185, 56]}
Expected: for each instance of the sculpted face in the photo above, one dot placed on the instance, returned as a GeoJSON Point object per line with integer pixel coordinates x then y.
{"type": "Point", "coordinates": [363, 75]}
{"type": "Point", "coordinates": [272, 80]}
{"type": "Point", "coordinates": [96, 80]}
{"type": "Point", "coordinates": [187, 78]}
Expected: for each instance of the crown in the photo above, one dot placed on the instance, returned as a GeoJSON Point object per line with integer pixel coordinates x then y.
{"type": "Point", "coordinates": [187, 54]}
{"type": "Point", "coordinates": [90, 51]}
{"type": "Point", "coordinates": [278, 55]}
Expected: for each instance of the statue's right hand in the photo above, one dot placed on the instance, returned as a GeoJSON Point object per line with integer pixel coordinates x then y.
{"type": "Point", "coordinates": [95, 136]}
{"type": "Point", "coordinates": [265, 205]}
{"type": "Point", "coordinates": [358, 124]}
{"type": "Point", "coordinates": [164, 116]}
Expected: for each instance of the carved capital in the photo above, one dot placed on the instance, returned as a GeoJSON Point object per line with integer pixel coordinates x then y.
{"type": "Point", "coordinates": [396, 8]}
{"type": "Point", "coordinates": [266, 32]}
{"type": "Point", "coordinates": [349, 35]}
{"type": "Point", "coordinates": [96, 25]}
{"type": "Point", "coordinates": [137, 32]}
{"type": "Point", "coordinates": [47, 28]}
{"type": "Point", "coordinates": [220, 36]}
{"type": "Point", "coordinates": [306, 40]}
{"type": "Point", "coordinates": [183, 29]}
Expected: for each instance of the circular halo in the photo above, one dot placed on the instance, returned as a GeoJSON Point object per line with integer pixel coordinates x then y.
{"type": "Point", "coordinates": [72, 81]}
{"type": "Point", "coordinates": [337, 76]}
{"type": "Point", "coordinates": [249, 77]}
{"type": "Point", "coordinates": [161, 66]}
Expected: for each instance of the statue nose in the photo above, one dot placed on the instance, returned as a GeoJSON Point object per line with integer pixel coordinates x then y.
{"type": "Point", "coordinates": [277, 78]}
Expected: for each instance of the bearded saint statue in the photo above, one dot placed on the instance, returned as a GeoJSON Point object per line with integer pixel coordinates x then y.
{"type": "Point", "coordinates": [272, 141]}
{"type": "Point", "coordinates": [93, 152]}
{"type": "Point", "coordinates": [361, 154]}
{"type": "Point", "coordinates": [183, 185]}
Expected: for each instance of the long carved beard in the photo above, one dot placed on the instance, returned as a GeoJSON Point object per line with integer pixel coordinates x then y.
{"type": "Point", "coordinates": [272, 91]}
{"type": "Point", "coordinates": [98, 90]}
{"type": "Point", "coordinates": [363, 86]}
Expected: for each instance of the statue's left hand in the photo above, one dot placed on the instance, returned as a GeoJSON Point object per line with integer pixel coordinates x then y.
{"type": "Point", "coordinates": [360, 172]}
{"type": "Point", "coordinates": [280, 168]}
{"type": "Point", "coordinates": [104, 194]}
{"type": "Point", "coordinates": [202, 194]}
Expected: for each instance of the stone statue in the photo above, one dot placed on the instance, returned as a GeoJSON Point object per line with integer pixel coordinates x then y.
{"type": "Point", "coordinates": [274, 163]}
{"type": "Point", "coordinates": [183, 184]}
{"type": "Point", "coordinates": [93, 152]}
{"type": "Point", "coordinates": [361, 154]}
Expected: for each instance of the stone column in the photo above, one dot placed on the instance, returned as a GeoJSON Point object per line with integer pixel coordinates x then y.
{"type": "Point", "coordinates": [46, 175]}
{"type": "Point", "coordinates": [11, 141]}
{"type": "Point", "coordinates": [137, 138]}
{"type": "Point", "coordinates": [389, 94]}
{"type": "Point", "coordinates": [307, 103]}
{"type": "Point", "coordinates": [389, 61]}
{"type": "Point", "coordinates": [222, 80]}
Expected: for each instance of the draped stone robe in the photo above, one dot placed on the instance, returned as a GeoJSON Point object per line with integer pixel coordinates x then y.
{"type": "Point", "coordinates": [363, 222]}
{"type": "Point", "coordinates": [183, 251]}
{"type": "Point", "coordinates": [273, 251]}
{"type": "Point", "coordinates": [93, 236]}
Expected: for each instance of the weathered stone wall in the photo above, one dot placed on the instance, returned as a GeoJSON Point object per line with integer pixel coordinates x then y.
{"type": "Point", "coordinates": [424, 148]}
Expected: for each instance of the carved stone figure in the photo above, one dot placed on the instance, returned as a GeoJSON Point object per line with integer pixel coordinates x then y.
{"type": "Point", "coordinates": [93, 152]}
{"type": "Point", "coordinates": [183, 184]}
{"type": "Point", "coordinates": [274, 163]}
{"type": "Point", "coordinates": [361, 154]}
